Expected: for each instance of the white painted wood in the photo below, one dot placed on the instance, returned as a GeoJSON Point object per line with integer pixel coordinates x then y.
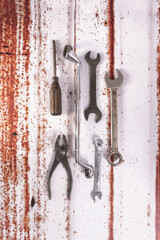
{"type": "Point", "coordinates": [135, 56]}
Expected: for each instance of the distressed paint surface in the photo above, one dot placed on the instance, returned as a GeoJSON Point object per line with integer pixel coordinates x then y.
{"type": "Point", "coordinates": [157, 218]}
{"type": "Point", "coordinates": [111, 55]}
{"type": "Point", "coordinates": [14, 57]}
{"type": "Point", "coordinates": [125, 35]}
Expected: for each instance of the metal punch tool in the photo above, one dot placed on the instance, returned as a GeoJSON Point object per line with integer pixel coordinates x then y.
{"type": "Point", "coordinates": [114, 157]}
{"type": "Point", "coordinates": [69, 55]}
{"type": "Point", "coordinates": [61, 157]}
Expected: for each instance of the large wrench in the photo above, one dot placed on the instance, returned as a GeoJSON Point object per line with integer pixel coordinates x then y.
{"type": "Point", "coordinates": [114, 157]}
{"type": "Point", "coordinates": [93, 108]}
{"type": "Point", "coordinates": [97, 173]}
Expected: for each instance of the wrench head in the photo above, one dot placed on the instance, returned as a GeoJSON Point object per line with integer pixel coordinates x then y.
{"type": "Point", "coordinates": [95, 110]}
{"type": "Point", "coordinates": [95, 194]}
{"type": "Point", "coordinates": [91, 60]}
{"type": "Point", "coordinates": [114, 83]}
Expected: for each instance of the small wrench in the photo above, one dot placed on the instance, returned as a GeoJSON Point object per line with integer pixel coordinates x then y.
{"type": "Point", "coordinates": [97, 173]}
{"type": "Point", "coordinates": [114, 157]}
{"type": "Point", "coordinates": [93, 108]}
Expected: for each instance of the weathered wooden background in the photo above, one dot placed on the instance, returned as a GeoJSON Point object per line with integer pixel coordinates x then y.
{"type": "Point", "coordinates": [126, 34]}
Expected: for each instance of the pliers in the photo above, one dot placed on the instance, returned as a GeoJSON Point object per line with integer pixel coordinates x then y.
{"type": "Point", "coordinates": [61, 157]}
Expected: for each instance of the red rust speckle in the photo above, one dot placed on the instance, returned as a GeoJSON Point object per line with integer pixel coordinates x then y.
{"type": "Point", "coordinates": [149, 210]}
{"type": "Point", "coordinates": [68, 223]}
{"type": "Point", "coordinates": [157, 217]}
{"type": "Point", "coordinates": [97, 16]}
{"type": "Point", "coordinates": [105, 23]}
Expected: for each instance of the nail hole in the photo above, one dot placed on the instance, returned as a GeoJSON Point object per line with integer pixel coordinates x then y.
{"type": "Point", "coordinates": [14, 133]}
{"type": "Point", "coordinates": [32, 202]}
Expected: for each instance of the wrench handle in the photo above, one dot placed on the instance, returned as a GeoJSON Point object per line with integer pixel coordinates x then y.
{"type": "Point", "coordinates": [97, 173]}
{"type": "Point", "coordinates": [114, 123]}
{"type": "Point", "coordinates": [93, 86]}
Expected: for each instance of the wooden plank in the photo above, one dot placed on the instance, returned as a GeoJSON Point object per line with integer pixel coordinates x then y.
{"type": "Point", "coordinates": [126, 36]}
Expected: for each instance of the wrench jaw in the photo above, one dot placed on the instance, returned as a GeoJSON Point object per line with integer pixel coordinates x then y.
{"type": "Point", "coordinates": [91, 60]}
{"type": "Point", "coordinates": [96, 111]}
{"type": "Point", "coordinates": [95, 194]}
{"type": "Point", "coordinates": [114, 83]}
{"type": "Point", "coordinates": [99, 116]}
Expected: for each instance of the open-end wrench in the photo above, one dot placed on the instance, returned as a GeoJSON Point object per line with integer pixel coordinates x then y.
{"type": "Point", "coordinates": [114, 157]}
{"type": "Point", "coordinates": [93, 108]}
{"type": "Point", "coordinates": [97, 173]}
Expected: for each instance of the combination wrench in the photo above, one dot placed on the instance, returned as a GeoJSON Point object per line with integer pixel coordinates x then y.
{"type": "Point", "coordinates": [93, 108]}
{"type": "Point", "coordinates": [114, 157]}
{"type": "Point", "coordinates": [97, 172]}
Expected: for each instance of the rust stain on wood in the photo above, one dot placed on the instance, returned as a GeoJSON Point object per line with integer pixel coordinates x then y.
{"type": "Point", "coordinates": [111, 40]}
{"type": "Point", "coordinates": [10, 84]}
{"type": "Point", "coordinates": [157, 217]}
{"type": "Point", "coordinates": [40, 188]}
{"type": "Point", "coordinates": [26, 50]}
{"type": "Point", "coordinates": [111, 52]}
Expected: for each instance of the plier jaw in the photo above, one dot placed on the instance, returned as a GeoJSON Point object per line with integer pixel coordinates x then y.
{"type": "Point", "coordinates": [61, 149]}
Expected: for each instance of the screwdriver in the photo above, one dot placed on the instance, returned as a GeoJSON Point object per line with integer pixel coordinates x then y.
{"type": "Point", "coordinates": [55, 90]}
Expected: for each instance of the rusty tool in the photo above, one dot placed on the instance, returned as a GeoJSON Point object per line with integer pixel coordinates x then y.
{"type": "Point", "coordinates": [55, 90]}
{"type": "Point", "coordinates": [93, 108]}
{"type": "Point", "coordinates": [69, 55]}
{"type": "Point", "coordinates": [61, 157]}
{"type": "Point", "coordinates": [114, 157]}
